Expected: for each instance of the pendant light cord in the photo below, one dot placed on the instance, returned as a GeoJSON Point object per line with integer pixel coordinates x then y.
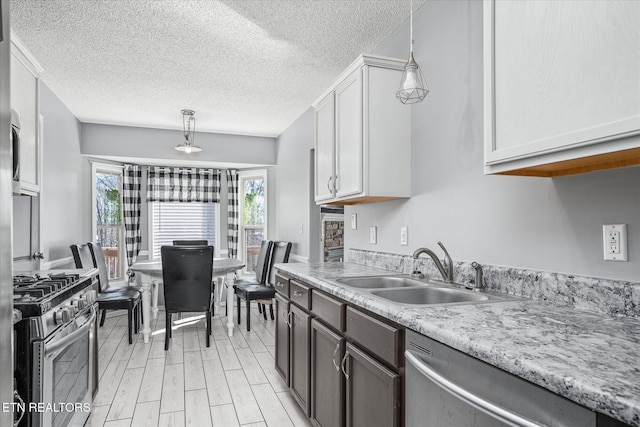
{"type": "Point", "coordinates": [411, 27]}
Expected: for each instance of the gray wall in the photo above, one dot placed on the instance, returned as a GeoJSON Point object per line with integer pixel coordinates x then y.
{"type": "Point", "coordinates": [537, 223]}
{"type": "Point", "coordinates": [158, 144]}
{"type": "Point", "coordinates": [294, 193]}
{"type": "Point", "coordinates": [65, 190]}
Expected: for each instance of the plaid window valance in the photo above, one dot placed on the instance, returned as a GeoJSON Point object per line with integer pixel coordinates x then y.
{"type": "Point", "coordinates": [183, 185]}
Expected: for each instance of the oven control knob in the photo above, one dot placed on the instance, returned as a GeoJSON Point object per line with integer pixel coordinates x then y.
{"type": "Point", "coordinates": [61, 316]}
{"type": "Point", "coordinates": [71, 310]}
{"type": "Point", "coordinates": [90, 296]}
{"type": "Point", "coordinates": [79, 304]}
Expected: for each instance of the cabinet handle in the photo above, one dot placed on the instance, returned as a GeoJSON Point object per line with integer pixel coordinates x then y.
{"type": "Point", "coordinates": [289, 319]}
{"type": "Point", "coordinates": [279, 285]}
{"type": "Point", "coordinates": [333, 358]}
{"type": "Point", "coordinates": [335, 183]}
{"type": "Point", "coordinates": [329, 184]}
{"type": "Point", "coordinates": [297, 293]}
{"type": "Point", "coordinates": [344, 360]}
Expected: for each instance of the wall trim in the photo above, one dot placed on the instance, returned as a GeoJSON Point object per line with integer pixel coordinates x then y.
{"type": "Point", "coordinates": [298, 258]}
{"type": "Point", "coordinates": [50, 265]}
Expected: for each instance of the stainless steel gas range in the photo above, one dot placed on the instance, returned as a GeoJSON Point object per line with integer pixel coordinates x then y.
{"type": "Point", "coordinates": [55, 346]}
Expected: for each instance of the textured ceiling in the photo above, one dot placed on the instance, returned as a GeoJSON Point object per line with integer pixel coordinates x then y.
{"type": "Point", "coordinates": [245, 67]}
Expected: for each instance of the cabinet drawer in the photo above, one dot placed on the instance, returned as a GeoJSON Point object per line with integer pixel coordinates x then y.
{"type": "Point", "coordinates": [328, 309]}
{"type": "Point", "coordinates": [300, 294]}
{"type": "Point", "coordinates": [282, 285]}
{"type": "Point", "coordinates": [383, 340]}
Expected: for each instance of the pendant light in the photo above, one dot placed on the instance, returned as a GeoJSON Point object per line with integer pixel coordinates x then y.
{"type": "Point", "coordinates": [412, 88]}
{"type": "Point", "coordinates": [189, 131]}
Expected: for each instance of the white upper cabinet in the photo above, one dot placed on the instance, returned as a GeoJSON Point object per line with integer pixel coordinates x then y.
{"type": "Point", "coordinates": [562, 86]}
{"type": "Point", "coordinates": [25, 73]}
{"type": "Point", "coordinates": [363, 136]}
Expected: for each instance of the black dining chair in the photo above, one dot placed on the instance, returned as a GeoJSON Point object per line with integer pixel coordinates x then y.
{"type": "Point", "coordinates": [279, 255]}
{"type": "Point", "coordinates": [90, 255]}
{"type": "Point", "coordinates": [190, 243]}
{"type": "Point", "coordinates": [255, 289]}
{"type": "Point", "coordinates": [186, 275]}
{"type": "Point", "coordinates": [198, 243]}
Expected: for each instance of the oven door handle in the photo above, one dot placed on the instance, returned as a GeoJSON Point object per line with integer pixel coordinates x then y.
{"type": "Point", "coordinates": [489, 408]}
{"type": "Point", "coordinates": [55, 348]}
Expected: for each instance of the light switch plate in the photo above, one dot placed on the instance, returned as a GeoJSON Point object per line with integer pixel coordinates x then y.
{"type": "Point", "coordinates": [404, 236]}
{"type": "Point", "coordinates": [614, 240]}
{"type": "Point", "coordinates": [373, 235]}
{"type": "Point", "coordinates": [354, 221]}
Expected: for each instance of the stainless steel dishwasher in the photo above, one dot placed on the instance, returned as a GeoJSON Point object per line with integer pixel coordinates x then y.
{"type": "Point", "coordinates": [447, 388]}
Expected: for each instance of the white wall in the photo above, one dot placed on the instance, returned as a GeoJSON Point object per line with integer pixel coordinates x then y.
{"type": "Point", "coordinates": [537, 223]}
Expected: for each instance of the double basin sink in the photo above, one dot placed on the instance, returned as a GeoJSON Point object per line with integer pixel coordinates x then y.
{"type": "Point", "coordinates": [412, 292]}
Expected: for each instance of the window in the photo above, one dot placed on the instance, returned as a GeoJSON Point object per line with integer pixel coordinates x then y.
{"type": "Point", "coordinates": [171, 221]}
{"type": "Point", "coordinates": [253, 216]}
{"type": "Point", "coordinates": [108, 228]}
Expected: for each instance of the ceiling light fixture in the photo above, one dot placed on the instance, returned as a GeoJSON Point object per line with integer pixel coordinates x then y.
{"type": "Point", "coordinates": [413, 88]}
{"type": "Point", "coordinates": [189, 131]}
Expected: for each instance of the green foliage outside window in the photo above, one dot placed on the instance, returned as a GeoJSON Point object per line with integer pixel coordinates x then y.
{"type": "Point", "coordinates": [254, 202]}
{"type": "Point", "coordinates": [108, 200]}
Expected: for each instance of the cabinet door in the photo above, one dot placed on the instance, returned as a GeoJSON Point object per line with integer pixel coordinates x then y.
{"type": "Point", "coordinates": [349, 155]}
{"type": "Point", "coordinates": [299, 358]}
{"type": "Point", "coordinates": [327, 381]}
{"type": "Point", "coordinates": [325, 146]}
{"type": "Point", "coordinates": [282, 337]}
{"type": "Point", "coordinates": [561, 83]}
{"type": "Point", "coordinates": [24, 99]}
{"type": "Point", "coordinates": [372, 391]}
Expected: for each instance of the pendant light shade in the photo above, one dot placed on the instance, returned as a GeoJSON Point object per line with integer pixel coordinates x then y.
{"type": "Point", "coordinates": [413, 87]}
{"type": "Point", "coordinates": [189, 132]}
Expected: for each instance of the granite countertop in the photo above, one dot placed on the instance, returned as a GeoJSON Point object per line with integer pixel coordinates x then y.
{"type": "Point", "coordinates": [587, 357]}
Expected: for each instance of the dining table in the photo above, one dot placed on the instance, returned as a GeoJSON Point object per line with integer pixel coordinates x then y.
{"type": "Point", "coordinates": [224, 269]}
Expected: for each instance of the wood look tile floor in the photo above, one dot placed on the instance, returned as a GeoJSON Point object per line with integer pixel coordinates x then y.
{"type": "Point", "coordinates": [231, 383]}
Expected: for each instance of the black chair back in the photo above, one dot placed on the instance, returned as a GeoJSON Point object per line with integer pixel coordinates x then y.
{"type": "Point", "coordinates": [190, 243]}
{"type": "Point", "coordinates": [264, 257]}
{"type": "Point", "coordinates": [100, 263]}
{"type": "Point", "coordinates": [279, 255]}
{"type": "Point", "coordinates": [82, 255]}
{"type": "Point", "coordinates": [187, 273]}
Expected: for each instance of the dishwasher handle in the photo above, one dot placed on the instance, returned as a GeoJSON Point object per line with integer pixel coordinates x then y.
{"type": "Point", "coordinates": [489, 408]}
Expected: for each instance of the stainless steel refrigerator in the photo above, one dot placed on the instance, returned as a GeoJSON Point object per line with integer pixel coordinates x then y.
{"type": "Point", "coordinates": [6, 211]}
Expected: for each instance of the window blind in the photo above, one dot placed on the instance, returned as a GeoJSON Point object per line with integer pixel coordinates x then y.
{"type": "Point", "coordinates": [182, 221]}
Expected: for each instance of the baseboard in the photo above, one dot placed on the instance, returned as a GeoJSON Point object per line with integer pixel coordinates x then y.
{"type": "Point", "coordinates": [298, 258]}
{"type": "Point", "coordinates": [66, 262]}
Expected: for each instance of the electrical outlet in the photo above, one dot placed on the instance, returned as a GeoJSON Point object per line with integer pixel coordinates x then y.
{"type": "Point", "coordinates": [404, 236]}
{"type": "Point", "coordinates": [373, 235]}
{"type": "Point", "coordinates": [354, 221]}
{"type": "Point", "coordinates": [614, 239]}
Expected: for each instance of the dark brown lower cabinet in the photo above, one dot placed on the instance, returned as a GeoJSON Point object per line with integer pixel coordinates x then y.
{"type": "Point", "coordinates": [300, 322]}
{"type": "Point", "coordinates": [282, 337]}
{"type": "Point", "coordinates": [342, 365]}
{"type": "Point", "coordinates": [372, 391]}
{"type": "Point", "coordinates": [327, 380]}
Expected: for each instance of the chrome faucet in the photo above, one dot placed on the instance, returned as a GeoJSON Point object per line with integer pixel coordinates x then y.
{"type": "Point", "coordinates": [479, 277]}
{"type": "Point", "coordinates": [445, 270]}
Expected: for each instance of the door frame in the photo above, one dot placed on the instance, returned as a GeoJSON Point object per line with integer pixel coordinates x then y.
{"type": "Point", "coordinates": [244, 175]}
{"type": "Point", "coordinates": [115, 169]}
